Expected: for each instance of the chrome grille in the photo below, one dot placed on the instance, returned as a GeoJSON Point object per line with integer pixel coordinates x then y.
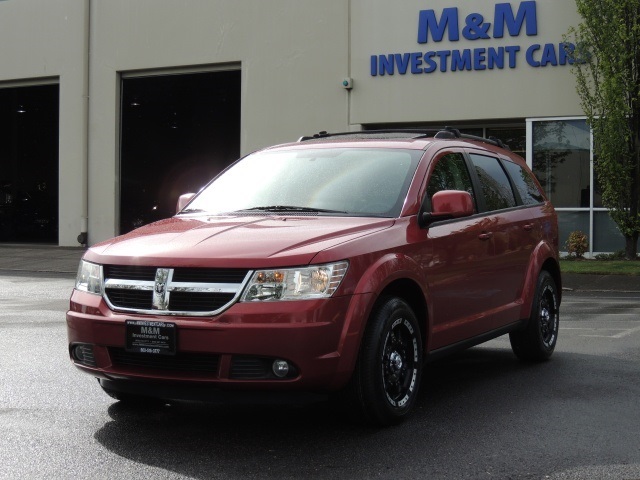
{"type": "Point", "coordinates": [172, 291]}
{"type": "Point", "coordinates": [206, 275]}
{"type": "Point", "coordinates": [189, 302]}
{"type": "Point", "coordinates": [127, 298]}
{"type": "Point", "coordinates": [129, 272]}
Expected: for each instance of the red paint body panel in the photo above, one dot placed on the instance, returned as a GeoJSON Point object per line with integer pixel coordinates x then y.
{"type": "Point", "coordinates": [233, 242]}
{"type": "Point", "coordinates": [309, 334]}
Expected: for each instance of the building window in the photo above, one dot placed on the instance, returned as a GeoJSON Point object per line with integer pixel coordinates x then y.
{"type": "Point", "coordinates": [562, 162]}
{"type": "Point", "coordinates": [560, 154]}
{"type": "Point", "coordinates": [514, 136]}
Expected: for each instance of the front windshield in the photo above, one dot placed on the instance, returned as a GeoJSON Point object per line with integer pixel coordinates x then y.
{"type": "Point", "coordinates": [351, 181]}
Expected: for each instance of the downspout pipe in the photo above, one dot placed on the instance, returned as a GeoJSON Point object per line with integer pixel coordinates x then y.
{"type": "Point", "coordinates": [83, 237]}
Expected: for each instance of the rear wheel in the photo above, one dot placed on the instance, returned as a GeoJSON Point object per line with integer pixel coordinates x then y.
{"type": "Point", "coordinates": [537, 340]}
{"type": "Point", "coordinates": [385, 383]}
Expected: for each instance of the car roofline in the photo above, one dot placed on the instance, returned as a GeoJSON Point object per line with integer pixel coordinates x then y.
{"type": "Point", "coordinates": [411, 134]}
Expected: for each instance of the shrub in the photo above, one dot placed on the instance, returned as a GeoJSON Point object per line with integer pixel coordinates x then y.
{"type": "Point", "coordinates": [619, 255]}
{"type": "Point", "coordinates": [577, 244]}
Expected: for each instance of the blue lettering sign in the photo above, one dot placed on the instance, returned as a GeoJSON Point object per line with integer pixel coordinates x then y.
{"type": "Point", "coordinates": [566, 52]}
{"type": "Point", "coordinates": [478, 59]}
{"type": "Point", "coordinates": [431, 63]}
{"type": "Point", "coordinates": [427, 22]}
{"type": "Point", "coordinates": [386, 64]}
{"type": "Point", "coordinates": [402, 61]}
{"type": "Point", "coordinates": [530, 51]}
{"type": "Point", "coordinates": [552, 54]}
{"type": "Point", "coordinates": [443, 54]}
{"type": "Point", "coordinates": [416, 62]}
{"type": "Point", "coordinates": [495, 58]}
{"type": "Point", "coordinates": [549, 55]}
{"type": "Point", "coordinates": [504, 16]}
{"type": "Point", "coordinates": [507, 19]}
{"type": "Point", "coordinates": [512, 51]}
{"type": "Point", "coordinates": [461, 60]}
{"type": "Point", "coordinates": [475, 26]}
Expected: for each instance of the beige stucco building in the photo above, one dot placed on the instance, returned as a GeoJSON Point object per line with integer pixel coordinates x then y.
{"type": "Point", "coordinates": [269, 72]}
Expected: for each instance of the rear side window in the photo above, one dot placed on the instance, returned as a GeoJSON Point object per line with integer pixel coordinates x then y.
{"type": "Point", "coordinates": [494, 182]}
{"type": "Point", "coordinates": [450, 173]}
{"type": "Point", "coordinates": [525, 184]}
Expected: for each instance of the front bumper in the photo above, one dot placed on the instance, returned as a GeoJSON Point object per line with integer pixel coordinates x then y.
{"type": "Point", "coordinates": [232, 351]}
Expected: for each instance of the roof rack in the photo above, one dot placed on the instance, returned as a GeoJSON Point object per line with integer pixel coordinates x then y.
{"type": "Point", "coordinates": [448, 132]}
{"type": "Point", "coordinates": [411, 133]}
{"type": "Point", "coordinates": [442, 133]}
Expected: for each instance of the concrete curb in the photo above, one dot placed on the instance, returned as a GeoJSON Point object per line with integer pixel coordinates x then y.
{"type": "Point", "coordinates": [600, 283]}
{"type": "Point", "coordinates": [40, 258]}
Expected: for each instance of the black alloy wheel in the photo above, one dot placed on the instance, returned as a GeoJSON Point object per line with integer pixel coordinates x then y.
{"type": "Point", "coordinates": [548, 314]}
{"type": "Point", "coordinates": [537, 340]}
{"type": "Point", "coordinates": [399, 359]}
{"type": "Point", "coordinates": [385, 383]}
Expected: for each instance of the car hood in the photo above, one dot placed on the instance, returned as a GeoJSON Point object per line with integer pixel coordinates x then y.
{"type": "Point", "coordinates": [238, 242]}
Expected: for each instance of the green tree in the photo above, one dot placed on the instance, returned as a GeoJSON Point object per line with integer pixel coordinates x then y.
{"type": "Point", "coordinates": [607, 69]}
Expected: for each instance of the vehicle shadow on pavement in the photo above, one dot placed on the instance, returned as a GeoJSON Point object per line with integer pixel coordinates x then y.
{"type": "Point", "coordinates": [482, 403]}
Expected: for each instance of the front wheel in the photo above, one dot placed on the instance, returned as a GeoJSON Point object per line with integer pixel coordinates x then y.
{"type": "Point", "coordinates": [538, 339]}
{"type": "Point", "coordinates": [387, 375]}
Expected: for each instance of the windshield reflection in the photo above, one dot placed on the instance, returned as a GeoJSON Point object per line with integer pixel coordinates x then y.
{"type": "Point", "coordinates": [341, 181]}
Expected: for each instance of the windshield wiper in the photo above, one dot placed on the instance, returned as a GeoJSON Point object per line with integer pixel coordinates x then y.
{"type": "Point", "coordinates": [289, 208]}
{"type": "Point", "coordinates": [191, 210]}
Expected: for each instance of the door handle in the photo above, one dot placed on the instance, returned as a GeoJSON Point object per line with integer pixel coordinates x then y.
{"type": "Point", "coordinates": [485, 236]}
{"type": "Point", "coordinates": [528, 227]}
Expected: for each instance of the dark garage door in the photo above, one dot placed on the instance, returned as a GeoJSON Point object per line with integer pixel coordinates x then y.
{"type": "Point", "coordinates": [29, 164]}
{"type": "Point", "coordinates": [178, 131]}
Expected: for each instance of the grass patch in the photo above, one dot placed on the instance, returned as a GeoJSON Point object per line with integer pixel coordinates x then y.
{"type": "Point", "coordinates": [601, 267]}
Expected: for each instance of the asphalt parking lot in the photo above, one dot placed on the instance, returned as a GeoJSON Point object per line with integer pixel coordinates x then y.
{"type": "Point", "coordinates": [480, 414]}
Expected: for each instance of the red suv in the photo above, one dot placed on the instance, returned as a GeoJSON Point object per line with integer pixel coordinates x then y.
{"type": "Point", "coordinates": [338, 264]}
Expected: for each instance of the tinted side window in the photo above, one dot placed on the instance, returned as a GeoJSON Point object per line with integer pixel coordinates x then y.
{"type": "Point", "coordinates": [495, 183]}
{"type": "Point", "coordinates": [450, 173]}
{"type": "Point", "coordinates": [524, 183]}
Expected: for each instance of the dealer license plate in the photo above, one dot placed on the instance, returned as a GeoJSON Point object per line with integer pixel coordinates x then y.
{"type": "Point", "coordinates": [155, 338]}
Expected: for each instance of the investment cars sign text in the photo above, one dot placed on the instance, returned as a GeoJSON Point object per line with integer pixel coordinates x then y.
{"type": "Point", "coordinates": [507, 21]}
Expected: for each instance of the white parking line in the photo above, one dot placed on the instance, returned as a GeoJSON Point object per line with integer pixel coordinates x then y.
{"type": "Point", "coordinates": [624, 332]}
{"type": "Point", "coordinates": [627, 332]}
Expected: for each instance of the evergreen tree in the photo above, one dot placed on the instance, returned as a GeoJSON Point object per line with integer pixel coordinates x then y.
{"type": "Point", "coordinates": [607, 68]}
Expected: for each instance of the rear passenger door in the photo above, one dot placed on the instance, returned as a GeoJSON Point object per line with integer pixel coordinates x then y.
{"type": "Point", "coordinates": [510, 228]}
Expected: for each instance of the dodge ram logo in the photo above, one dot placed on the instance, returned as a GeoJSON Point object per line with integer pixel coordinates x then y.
{"type": "Point", "coordinates": [160, 288]}
{"type": "Point", "coordinates": [160, 291]}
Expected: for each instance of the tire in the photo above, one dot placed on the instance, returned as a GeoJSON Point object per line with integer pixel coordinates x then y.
{"type": "Point", "coordinates": [386, 379]}
{"type": "Point", "coordinates": [537, 340]}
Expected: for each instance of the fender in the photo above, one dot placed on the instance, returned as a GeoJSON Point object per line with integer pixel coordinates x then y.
{"type": "Point", "coordinates": [387, 269]}
{"type": "Point", "coordinates": [380, 274]}
{"type": "Point", "coordinates": [539, 256]}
